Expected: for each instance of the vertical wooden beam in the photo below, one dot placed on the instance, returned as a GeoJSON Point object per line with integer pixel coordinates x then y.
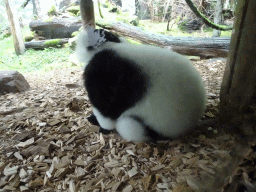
{"type": "Point", "coordinates": [87, 13]}
{"type": "Point", "coordinates": [36, 8]}
{"type": "Point", "coordinates": [217, 17]}
{"type": "Point", "coordinates": [15, 28]}
{"type": "Point", "coordinates": [239, 81]}
{"type": "Point", "coordinates": [167, 4]}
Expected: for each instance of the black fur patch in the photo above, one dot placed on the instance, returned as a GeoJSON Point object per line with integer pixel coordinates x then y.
{"type": "Point", "coordinates": [92, 119]}
{"type": "Point", "coordinates": [114, 84]}
{"type": "Point", "coordinates": [105, 131]}
{"type": "Point", "coordinates": [109, 36]}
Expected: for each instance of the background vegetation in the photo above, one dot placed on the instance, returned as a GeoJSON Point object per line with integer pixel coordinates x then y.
{"type": "Point", "coordinates": [50, 58]}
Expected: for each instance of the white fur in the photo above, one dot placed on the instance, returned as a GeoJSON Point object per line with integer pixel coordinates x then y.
{"type": "Point", "coordinates": [95, 39]}
{"type": "Point", "coordinates": [131, 130]}
{"type": "Point", "coordinates": [84, 41]}
{"type": "Point", "coordinates": [81, 44]}
{"type": "Point", "coordinates": [176, 97]}
{"type": "Point", "coordinates": [104, 122]}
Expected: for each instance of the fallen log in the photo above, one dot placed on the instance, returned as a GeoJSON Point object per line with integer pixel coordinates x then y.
{"type": "Point", "coordinates": [203, 53]}
{"type": "Point", "coordinates": [56, 28]}
{"type": "Point", "coordinates": [45, 43]}
{"type": "Point", "coordinates": [205, 47]}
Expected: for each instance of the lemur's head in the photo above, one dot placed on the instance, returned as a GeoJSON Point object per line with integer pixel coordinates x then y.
{"type": "Point", "coordinates": [93, 40]}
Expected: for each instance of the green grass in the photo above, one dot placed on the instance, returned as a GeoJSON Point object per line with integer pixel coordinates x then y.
{"type": "Point", "coordinates": [50, 58]}
{"type": "Point", "coordinates": [133, 41]}
{"type": "Point", "coordinates": [226, 33]}
{"type": "Point", "coordinates": [32, 60]}
{"type": "Point", "coordinates": [161, 28]}
{"type": "Point", "coordinates": [6, 47]}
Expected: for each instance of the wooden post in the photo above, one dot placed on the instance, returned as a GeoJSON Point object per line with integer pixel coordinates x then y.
{"type": "Point", "coordinates": [87, 13]}
{"type": "Point", "coordinates": [15, 28]}
{"type": "Point", "coordinates": [167, 4]}
{"type": "Point", "coordinates": [217, 17]}
{"type": "Point", "coordinates": [239, 82]}
{"type": "Point", "coordinates": [36, 8]}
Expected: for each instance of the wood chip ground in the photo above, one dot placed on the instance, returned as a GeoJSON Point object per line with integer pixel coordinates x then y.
{"type": "Point", "coordinates": [47, 144]}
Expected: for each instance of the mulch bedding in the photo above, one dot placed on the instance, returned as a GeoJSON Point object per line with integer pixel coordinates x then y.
{"type": "Point", "coordinates": [47, 144]}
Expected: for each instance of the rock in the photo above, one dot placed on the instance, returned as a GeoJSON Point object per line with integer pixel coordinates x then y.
{"type": "Point", "coordinates": [12, 82]}
{"type": "Point", "coordinates": [66, 3]}
{"type": "Point", "coordinates": [29, 38]}
{"type": "Point", "coordinates": [74, 9]}
{"type": "Point", "coordinates": [189, 25]}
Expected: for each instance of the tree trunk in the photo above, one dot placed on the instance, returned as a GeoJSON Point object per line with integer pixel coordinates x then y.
{"type": "Point", "coordinates": [151, 9]}
{"type": "Point", "coordinates": [203, 47]}
{"type": "Point", "coordinates": [237, 95]}
{"type": "Point", "coordinates": [174, 7]}
{"type": "Point", "coordinates": [24, 4]}
{"type": "Point", "coordinates": [217, 18]}
{"type": "Point", "coordinates": [202, 6]}
{"type": "Point", "coordinates": [15, 28]}
{"type": "Point", "coordinates": [225, 4]}
{"type": "Point", "coordinates": [87, 13]}
{"type": "Point", "coordinates": [166, 9]}
{"type": "Point", "coordinates": [36, 9]}
{"type": "Point", "coordinates": [232, 4]}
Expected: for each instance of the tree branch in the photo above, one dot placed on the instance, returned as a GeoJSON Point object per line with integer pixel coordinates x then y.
{"type": "Point", "coordinates": [205, 20]}
{"type": "Point", "coordinates": [24, 4]}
